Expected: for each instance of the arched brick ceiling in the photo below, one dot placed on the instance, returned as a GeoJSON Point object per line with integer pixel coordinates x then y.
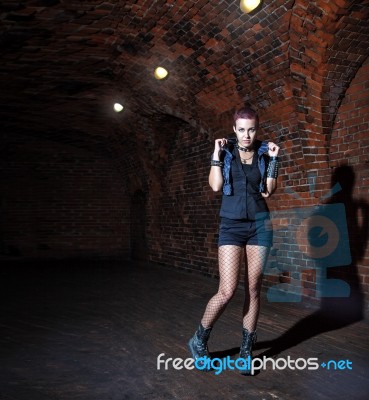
{"type": "Point", "coordinates": [65, 62]}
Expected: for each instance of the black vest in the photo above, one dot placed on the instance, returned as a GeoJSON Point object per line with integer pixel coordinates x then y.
{"type": "Point", "coordinates": [246, 200]}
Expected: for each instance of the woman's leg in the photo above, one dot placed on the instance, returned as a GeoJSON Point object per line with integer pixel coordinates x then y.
{"type": "Point", "coordinates": [256, 257]}
{"type": "Point", "coordinates": [230, 258]}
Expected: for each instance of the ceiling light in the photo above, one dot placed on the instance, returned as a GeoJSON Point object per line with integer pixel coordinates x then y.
{"type": "Point", "coordinates": [249, 5]}
{"type": "Point", "coordinates": [118, 107]}
{"type": "Point", "coordinates": [160, 73]}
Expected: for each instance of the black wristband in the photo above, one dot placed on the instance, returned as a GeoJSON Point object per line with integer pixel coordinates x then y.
{"type": "Point", "coordinates": [216, 163]}
{"type": "Point", "coordinates": [272, 171]}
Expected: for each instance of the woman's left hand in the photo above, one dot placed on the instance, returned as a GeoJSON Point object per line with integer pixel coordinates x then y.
{"type": "Point", "coordinates": [273, 149]}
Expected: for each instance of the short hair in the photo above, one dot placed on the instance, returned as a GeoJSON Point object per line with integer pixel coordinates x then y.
{"type": "Point", "coordinates": [246, 112]}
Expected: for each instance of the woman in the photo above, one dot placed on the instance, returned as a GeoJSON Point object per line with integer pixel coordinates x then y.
{"type": "Point", "coordinates": [246, 169]}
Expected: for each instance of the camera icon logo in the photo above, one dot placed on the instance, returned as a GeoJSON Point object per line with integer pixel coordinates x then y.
{"type": "Point", "coordinates": [314, 238]}
{"type": "Point", "coordinates": [323, 236]}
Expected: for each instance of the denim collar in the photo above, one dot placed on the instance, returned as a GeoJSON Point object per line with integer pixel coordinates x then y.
{"type": "Point", "coordinates": [262, 147]}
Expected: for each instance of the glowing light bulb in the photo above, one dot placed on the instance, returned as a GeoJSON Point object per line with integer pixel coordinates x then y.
{"type": "Point", "coordinates": [118, 107]}
{"type": "Point", "coordinates": [249, 5]}
{"type": "Point", "coordinates": [160, 73]}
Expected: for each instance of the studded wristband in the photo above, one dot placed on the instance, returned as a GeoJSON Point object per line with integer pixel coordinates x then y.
{"type": "Point", "coordinates": [216, 163]}
{"type": "Point", "coordinates": [272, 171]}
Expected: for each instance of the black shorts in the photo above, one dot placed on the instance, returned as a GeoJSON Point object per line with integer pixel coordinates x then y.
{"type": "Point", "coordinates": [240, 232]}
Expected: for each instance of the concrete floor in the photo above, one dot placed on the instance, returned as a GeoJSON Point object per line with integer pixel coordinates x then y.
{"type": "Point", "coordinates": [94, 330]}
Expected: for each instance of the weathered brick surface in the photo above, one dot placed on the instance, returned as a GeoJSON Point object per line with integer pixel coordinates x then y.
{"type": "Point", "coordinates": [58, 200]}
{"type": "Point", "coordinates": [300, 63]}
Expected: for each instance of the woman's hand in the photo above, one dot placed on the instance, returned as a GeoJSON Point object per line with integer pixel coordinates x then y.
{"type": "Point", "coordinates": [215, 175]}
{"type": "Point", "coordinates": [273, 149]}
{"type": "Point", "coordinates": [219, 143]}
{"type": "Point", "coordinates": [271, 183]}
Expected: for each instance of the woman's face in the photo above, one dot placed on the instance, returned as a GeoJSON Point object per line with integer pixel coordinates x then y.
{"type": "Point", "coordinates": [245, 130]}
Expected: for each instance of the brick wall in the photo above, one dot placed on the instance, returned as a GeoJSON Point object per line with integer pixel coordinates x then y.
{"type": "Point", "coordinates": [184, 213]}
{"type": "Point", "coordinates": [184, 219]}
{"type": "Point", "coordinates": [156, 204]}
{"type": "Point", "coordinates": [58, 200]}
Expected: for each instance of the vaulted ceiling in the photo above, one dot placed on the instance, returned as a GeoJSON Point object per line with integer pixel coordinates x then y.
{"type": "Point", "coordinates": [64, 63]}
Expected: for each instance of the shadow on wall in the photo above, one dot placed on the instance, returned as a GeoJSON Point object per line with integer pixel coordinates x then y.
{"type": "Point", "coordinates": [342, 300]}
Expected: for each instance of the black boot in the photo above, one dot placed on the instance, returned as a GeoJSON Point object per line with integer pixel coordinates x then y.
{"type": "Point", "coordinates": [198, 346]}
{"type": "Point", "coordinates": [248, 340]}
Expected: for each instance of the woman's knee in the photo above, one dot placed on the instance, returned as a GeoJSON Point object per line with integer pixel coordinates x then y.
{"type": "Point", "coordinates": [226, 294]}
{"type": "Point", "coordinates": [254, 291]}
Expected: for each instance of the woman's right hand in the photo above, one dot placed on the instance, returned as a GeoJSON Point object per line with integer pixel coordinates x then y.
{"type": "Point", "coordinates": [219, 144]}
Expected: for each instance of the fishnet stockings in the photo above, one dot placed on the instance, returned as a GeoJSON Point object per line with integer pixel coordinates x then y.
{"type": "Point", "coordinates": [230, 259]}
